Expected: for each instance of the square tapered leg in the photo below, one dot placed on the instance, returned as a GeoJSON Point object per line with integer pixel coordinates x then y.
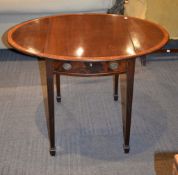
{"type": "Point", "coordinates": [116, 82]}
{"type": "Point", "coordinates": [50, 94]}
{"type": "Point", "coordinates": [58, 88]}
{"type": "Point", "coordinates": [127, 105]}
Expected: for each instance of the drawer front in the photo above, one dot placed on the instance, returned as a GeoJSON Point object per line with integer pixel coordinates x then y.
{"type": "Point", "coordinates": [90, 68]}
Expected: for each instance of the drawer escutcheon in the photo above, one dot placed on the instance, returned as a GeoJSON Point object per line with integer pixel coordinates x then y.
{"type": "Point", "coordinates": [113, 65]}
{"type": "Point", "coordinates": [67, 66]}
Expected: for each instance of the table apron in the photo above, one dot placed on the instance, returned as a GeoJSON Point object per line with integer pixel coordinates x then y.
{"type": "Point", "coordinates": [103, 68]}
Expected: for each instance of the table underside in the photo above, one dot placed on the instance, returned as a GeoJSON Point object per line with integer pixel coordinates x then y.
{"type": "Point", "coordinates": [79, 68]}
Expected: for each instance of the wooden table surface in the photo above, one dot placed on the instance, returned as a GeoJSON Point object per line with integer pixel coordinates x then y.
{"type": "Point", "coordinates": [87, 37]}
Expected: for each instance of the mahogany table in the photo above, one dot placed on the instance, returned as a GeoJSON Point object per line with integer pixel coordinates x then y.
{"type": "Point", "coordinates": [88, 45]}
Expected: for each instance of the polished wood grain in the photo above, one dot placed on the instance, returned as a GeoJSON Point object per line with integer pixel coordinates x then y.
{"type": "Point", "coordinates": [88, 45]}
{"type": "Point", "coordinates": [87, 37]}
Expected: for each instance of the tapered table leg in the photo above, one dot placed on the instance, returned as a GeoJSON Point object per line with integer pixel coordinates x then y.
{"type": "Point", "coordinates": [50, 93]}
{"type": "Point", "coordinates": [58, 88]}
{"type": "Point", "coordinates": [128, 104]}
{"type": "Point", "coordinates": [116, 79]}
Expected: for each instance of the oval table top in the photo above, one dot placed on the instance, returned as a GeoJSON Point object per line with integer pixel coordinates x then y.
{"type": "Point", "coordinates": [87, 37]}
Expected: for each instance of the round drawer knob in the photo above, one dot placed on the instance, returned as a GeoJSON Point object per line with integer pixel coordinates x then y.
{"type": "Point", "coordinates": [113, 65]}
{"type": "Point", "coordinates": [67, 66]}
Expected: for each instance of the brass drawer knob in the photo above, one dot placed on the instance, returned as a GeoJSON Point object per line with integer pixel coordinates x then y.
{"type": "Point", "coordinates": [67, 66]}
{"type": "Point", "coordinates": [113, 65]}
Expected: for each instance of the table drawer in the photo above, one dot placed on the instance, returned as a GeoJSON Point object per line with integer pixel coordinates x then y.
{"type": "Point", "coordinates": [90, 68]}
